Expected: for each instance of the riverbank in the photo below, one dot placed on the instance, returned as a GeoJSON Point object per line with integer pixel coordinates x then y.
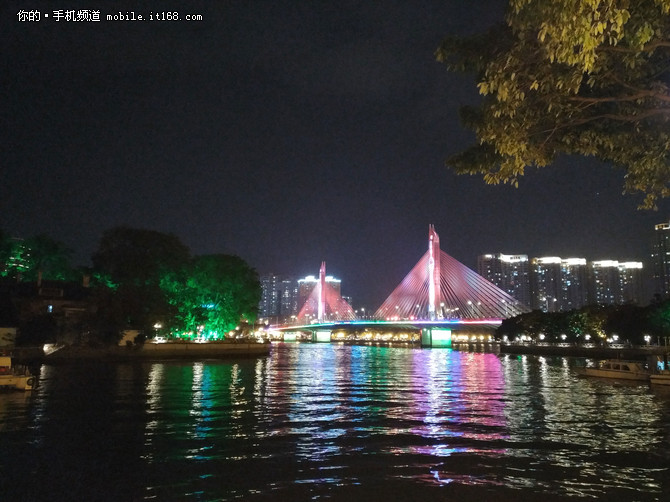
{"type": "Point", "coordinates": [148, 351]}
{"type": "Point", "coordinates": [226, 349]}
{"type": "Point", "coordinates": [630, 353]}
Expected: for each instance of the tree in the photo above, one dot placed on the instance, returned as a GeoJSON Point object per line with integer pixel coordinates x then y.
{"type": "Point", "coordinates": [659, 318]}
{"type": "Point", "coordinates": [586, 77]}
{"type": "Point", "coordinates": [48, 259]}
{"type": "Point", "coordinates": [511, 327]}
{"type": "Point", "coordinates": [129, 264]}
{"type": "Point", "coordinates": [213, 292]}
{"type": "Point", "coordinates": [596, 318]}
{"type": "Point", "coordinates": [628, 322]}
{"type": "Point", "coordinates": [138, 256]}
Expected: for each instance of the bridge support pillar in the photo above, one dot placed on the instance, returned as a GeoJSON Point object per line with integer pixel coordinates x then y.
{"type": "Point", "coordinates": [436, 337]}
{"type": "Point", "coordinates": [321, 335]}
{"type": "Point", "coordinates": [290, 336]}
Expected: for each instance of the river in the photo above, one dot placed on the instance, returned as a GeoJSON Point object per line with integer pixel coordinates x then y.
{"type": "Point", "coordinates": [335, 422]}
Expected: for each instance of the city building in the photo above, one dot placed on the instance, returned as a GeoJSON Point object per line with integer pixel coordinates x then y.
{"type": "Point", "coordinates": [604, 281]}
{"type": "Point", "coordinates": [614, 283]}
{"type": "Point", "coordinates": [279, 298]}
{"type": "Point", "coordinates": [573, 284]}
{"type": "Point", "coordinates": [631, 280]}
{"type": "Point", "coordinates": [57, 311]}
{"type": "Point", "coordinates": [289, 299]}
{"type": "Point", "coordinates": [562, 284]}
{"type": "Point", "coordinates": [270, 296]}
{"type": "Point", "coordinates": [545, 283]}
{"type": "Point", "coordinates": [661, 260]}
{"type": "Point", "coordinates": [283, 297]}
{"type": "Point", "coordinates": [509, 272]}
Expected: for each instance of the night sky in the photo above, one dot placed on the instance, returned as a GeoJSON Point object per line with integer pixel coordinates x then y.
{"type": "Point", "coordinates": [286, 133]}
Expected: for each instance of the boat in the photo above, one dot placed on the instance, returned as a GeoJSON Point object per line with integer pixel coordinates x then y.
{"type": "Point", "coordinates": [616, 368]}
{"type": "Point", "coordinates": [12, 377]}
{"type": "Point", "coordinates": [660, 378]}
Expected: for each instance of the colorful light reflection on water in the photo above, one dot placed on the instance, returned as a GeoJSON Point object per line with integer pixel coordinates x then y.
{"type": "Point", "coordinates": [335, 422]}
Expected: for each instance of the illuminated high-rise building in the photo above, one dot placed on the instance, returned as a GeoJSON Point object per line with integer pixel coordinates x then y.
{"type": "Point", "coordinates": [559, 284]}
{"type": "Point", "coordinates": [545, 283]}
{"type": "Point", "coordinates": [604, 282]}
{"type": "Point", "coordinates": [279, 298]}
{"type": "Point", "coordinates": [631, 280]}
{"type": "Point", "coordinates": [553, 284]}
{"type": "Point", "coordinates": [661, 260]}
{"type": "Point", "coordinates": [573, 284]}
{"type": "Point", "coordinates": [615, 283]}
{"type": "Point", "coordinates": [288, 299]}
{"type": "Point", "coordinates": [508, 272]}
{"type": "Point", "coordinates": [269, 304]}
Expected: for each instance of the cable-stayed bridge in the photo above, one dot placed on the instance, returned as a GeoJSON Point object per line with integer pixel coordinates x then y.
{"type": "Point", "coordinates": [441, 287]}
{"type": "Point", "coordinates": [438, 296]}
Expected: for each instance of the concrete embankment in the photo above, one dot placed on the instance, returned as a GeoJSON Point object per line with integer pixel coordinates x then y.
{"type": "Point", "coordinates": [210, 349]}
{"type": "Point", "coordinates": [153, 351]}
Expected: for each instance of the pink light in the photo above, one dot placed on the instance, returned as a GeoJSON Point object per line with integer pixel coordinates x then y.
{"type": "Point", "coordinates": [440, 287]}
{"type": "Point", "coordinates": [325, 304]}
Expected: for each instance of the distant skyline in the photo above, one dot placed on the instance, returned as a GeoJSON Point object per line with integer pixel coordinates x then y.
{"type": "Point", "coordinates": [287, 133]}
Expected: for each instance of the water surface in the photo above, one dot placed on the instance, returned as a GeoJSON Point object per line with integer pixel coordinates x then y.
{"type": "Point", "coordinates": [335, 422]}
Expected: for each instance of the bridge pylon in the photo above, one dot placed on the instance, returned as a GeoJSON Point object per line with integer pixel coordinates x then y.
{"type": "Point", "coordinates": [439, 287]}
{"type": "Point", "coordinates": [321, 315]}
{"type": "Point", "coordinates": [323, 302]}
{"type": "Point", "coordinates": [433, 274]}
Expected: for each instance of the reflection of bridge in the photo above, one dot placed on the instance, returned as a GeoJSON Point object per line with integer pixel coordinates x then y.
{"type": "Point", "coordinates": [438, 296]}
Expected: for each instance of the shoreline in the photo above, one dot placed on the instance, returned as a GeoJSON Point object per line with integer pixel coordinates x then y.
{"type": "Point", "coordinates": [223, 350]}
{"type": "Point", "coordinates": [630, 353]}
{"type": "Point", "coordinates": [146, 352]}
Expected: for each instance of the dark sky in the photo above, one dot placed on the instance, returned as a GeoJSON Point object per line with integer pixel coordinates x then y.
{"type": "Point", "coordinates": [283, 132]}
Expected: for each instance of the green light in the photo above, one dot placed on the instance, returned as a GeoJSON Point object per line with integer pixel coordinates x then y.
{"type": "Point", "coordinates": [211, 295]}
{"type": "Point", "coordinates": [436, 337]}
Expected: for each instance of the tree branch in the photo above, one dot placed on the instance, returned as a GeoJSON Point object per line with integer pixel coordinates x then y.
{"type": "Point", "coordinates": [629, 50]}
{"type": "Point", "coordinates": [631, 97]}
{"type": "Point", "coordinates": [605, 116]}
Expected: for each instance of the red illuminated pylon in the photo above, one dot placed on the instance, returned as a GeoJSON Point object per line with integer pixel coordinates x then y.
{"type": "Point", "coordinates": [440, 287]}
{"type": "Point", "coordinates": [322, 292]}
{"type": "Point", "coordinates": [325, 303]}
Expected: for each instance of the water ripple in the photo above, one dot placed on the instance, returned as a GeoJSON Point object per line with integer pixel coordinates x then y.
{"type": "Point", "coordinates": [340, 423]}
